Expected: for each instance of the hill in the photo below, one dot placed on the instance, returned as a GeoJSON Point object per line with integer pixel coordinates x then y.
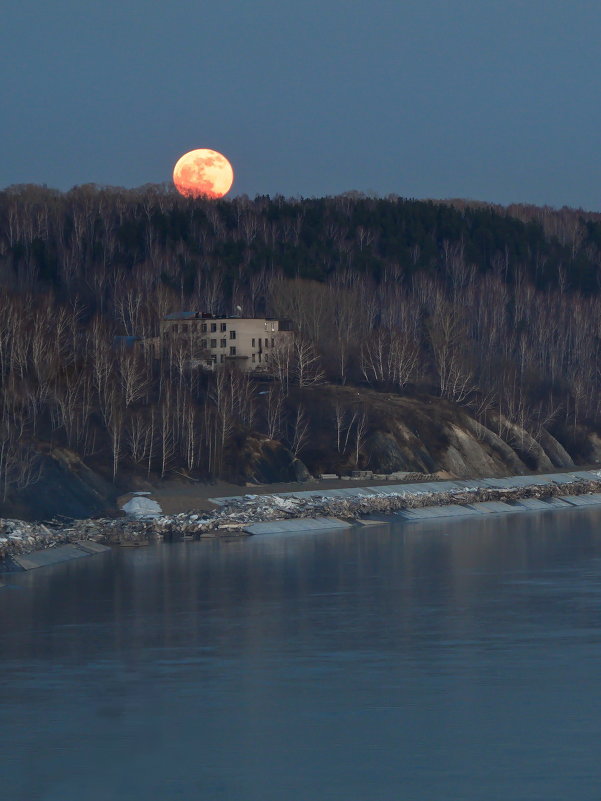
{"type": "Point", "coordinates": [492, 311]}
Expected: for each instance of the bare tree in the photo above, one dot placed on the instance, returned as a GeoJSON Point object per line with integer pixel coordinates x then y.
{"type": "Point", "coordinates": [306, 366]}
{"type": "Point", "coordinates": [133, 375]}
{"type": "Point", "coordinates": [274, 412]}
{"type": "Point", "coordinates": [299, 434]}
{"type": "Point", "coordinates": [360, 433]}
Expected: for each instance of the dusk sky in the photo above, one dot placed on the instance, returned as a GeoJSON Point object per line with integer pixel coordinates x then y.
{"type": "Point", "coordinates": [487, 99]}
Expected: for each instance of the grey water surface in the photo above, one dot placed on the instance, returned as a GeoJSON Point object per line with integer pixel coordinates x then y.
{"type": "Point", "coordinates": [455, 659]}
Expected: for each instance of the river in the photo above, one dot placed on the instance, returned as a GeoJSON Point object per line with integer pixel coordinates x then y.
{"type": "Point", "coordinates": [449, 660]}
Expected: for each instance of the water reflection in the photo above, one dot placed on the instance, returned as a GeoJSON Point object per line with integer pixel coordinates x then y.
{"type": "Point", "coordinates": [452, 659]}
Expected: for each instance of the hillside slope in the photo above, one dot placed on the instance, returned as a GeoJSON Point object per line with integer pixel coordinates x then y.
{"type": "Point", "coordinates": [351, 428]}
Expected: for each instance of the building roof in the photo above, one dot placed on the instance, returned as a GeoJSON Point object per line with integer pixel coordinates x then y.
{"type": "Point", "coordinates": [190, 315]}
{"type": "Point", "coordinates": [181, 315]}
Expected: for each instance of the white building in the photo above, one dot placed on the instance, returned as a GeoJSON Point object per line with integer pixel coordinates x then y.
{"type": "Point", "coordinates": [208, 340]}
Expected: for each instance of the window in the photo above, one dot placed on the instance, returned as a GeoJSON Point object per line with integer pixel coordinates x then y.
{"type": "Point", "coordinates": [184, 328]}
{"type": "Point", "coordinates": [223, 343]}
{"type": "Point", "coordinates": [203, 328]}
{"type": "Point", "coordinates": [253, 358]}
{"type": "Point", "coordinates": [203, 343]}
{"type": "Point", "coordinates": [213, 328]}
{"type": "Point", "coordinates": [175, 329]}
{"type": "Point", "coordinates": [253, 343]}
{"type": "Point", "coordinates": [273, 326]}
{"type": "Point", "coordinates": [232, 335]}
{"type": "Point", "coordinates": [221, 358]}
{"type": "Point", "coordinates": [213, 343]}
{"type": "Point", "coordinates": [266, 342]}
{"type": "Point", "coordinates": [223, 327]}
{"type": "Point", "coordinates": [272, 342]}
{"type": "Point", "coordinates": [232, 351]}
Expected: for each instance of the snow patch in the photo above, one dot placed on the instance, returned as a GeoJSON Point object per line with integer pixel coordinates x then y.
{"type": "Point", "coordinates": [142, 507]}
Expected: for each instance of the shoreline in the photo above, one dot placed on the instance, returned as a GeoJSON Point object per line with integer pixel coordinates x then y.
{"type": "Point", "coordinates": [235, 515]}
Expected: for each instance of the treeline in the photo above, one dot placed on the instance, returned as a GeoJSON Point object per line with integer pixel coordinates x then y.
{"type": "Point", "coordinates": [221, 249]}
{"type": "Point", "coordinates": [496, 309]}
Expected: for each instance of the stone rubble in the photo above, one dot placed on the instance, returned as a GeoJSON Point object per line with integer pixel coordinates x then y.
{"type": "Point", "coordinates": [20, 537]}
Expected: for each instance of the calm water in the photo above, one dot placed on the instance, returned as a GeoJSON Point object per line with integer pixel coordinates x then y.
{"type": "Point", "coordinates": [457, 660]}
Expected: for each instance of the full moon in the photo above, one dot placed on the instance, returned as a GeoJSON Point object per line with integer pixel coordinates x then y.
{"type": "Point", "coordinates": [203, 173]}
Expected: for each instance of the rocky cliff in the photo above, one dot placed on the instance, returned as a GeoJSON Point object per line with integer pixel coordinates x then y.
{"type": "Point", "coordinates": [349, 428]}
{"type": "Point", "coordinates": [427, 434]}
{"type": "Point", "coordinates": [67, 487]}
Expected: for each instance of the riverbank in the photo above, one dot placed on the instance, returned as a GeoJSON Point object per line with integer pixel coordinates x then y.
{"type": "Point", "coordinates": [235, 515]}
{"type": "Point", "coordinates": [177, 495]}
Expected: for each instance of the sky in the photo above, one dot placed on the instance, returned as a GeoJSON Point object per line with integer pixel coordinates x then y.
{"type": "Point", "coordinates": [493, 100]}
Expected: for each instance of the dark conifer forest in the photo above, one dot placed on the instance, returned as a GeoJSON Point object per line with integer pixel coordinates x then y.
{"type": "Point", "coordinates": [497, 310]}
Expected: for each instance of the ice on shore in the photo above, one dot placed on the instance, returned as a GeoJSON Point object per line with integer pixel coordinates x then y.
{"type": "Point", "coordinates": [142, 508]}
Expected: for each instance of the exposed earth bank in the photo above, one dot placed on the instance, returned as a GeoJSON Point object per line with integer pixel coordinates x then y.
{"type": "Point", "coordinates": [351, 428]}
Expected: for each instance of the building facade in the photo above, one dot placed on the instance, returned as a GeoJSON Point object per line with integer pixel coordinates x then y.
{"type": "Point", "coordinates": [208, 340]}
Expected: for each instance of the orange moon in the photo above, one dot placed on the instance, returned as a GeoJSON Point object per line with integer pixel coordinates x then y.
{"type": "Point", "coordinates": [203, 173]}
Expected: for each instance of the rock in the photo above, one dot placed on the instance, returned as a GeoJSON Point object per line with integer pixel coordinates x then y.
{"type": "Point", "coordinates": [555, 450]}
{"type": "Point", "coordinates": [467, 456]}
{"type": "Point", "coordinates": [300, 471]}
{"type": "Point", "coordinates": [523, 443]}
{"type": "Point", "coordinates": [594, 447]}
{"type": "Point", "coordinates": [267, 461]}
{"type": "Point", "coordinates": [385, 452]}
{"type": "Point", "coordinates": [67, 487]}
{"type": "Point", "coordinates": [504, 457]}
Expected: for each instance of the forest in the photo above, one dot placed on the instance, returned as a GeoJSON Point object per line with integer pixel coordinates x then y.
{"type": "Point", "coordinates": [494, 309]}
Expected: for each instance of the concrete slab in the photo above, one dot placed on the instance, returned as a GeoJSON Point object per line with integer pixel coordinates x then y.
{"type": "Point", "coordinates": [431, 486]}
{"type": "Point", "coordinates": [91, 547]}
{"type": "Point", "coordinates": [51, 556]}
{"type": "Point", "coordinates": [556, 503]}
{"type": "Point", "coordinates": [582, 500]}
{"type": "Point", "coordinates": [532, 505]}
{"type": "Point", "coordinates": [369, 491]}
{"type": "Point", "coordinates": [396, 489]}
{"type": "Point", "coordinates": [514, 481]}
{"type": "Point", "coordinates": [492, 483]}
{"type": "Point", "coordinates": [588, 475]}
{"type": "Point", "coordinates": [493, 507]}
{"type": "Point", "coordinates": [435, 512]}
{"type": "Point", "coordinates": [298, 525]}
{"type": "Point", "coordinates": [303, 494]}
{"type": "Point", "coordinates": [467, 484]}
{"type": "Point", "coordinates": [563, 478]}
{"type": "Point", "coordinates": [380, 519]}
